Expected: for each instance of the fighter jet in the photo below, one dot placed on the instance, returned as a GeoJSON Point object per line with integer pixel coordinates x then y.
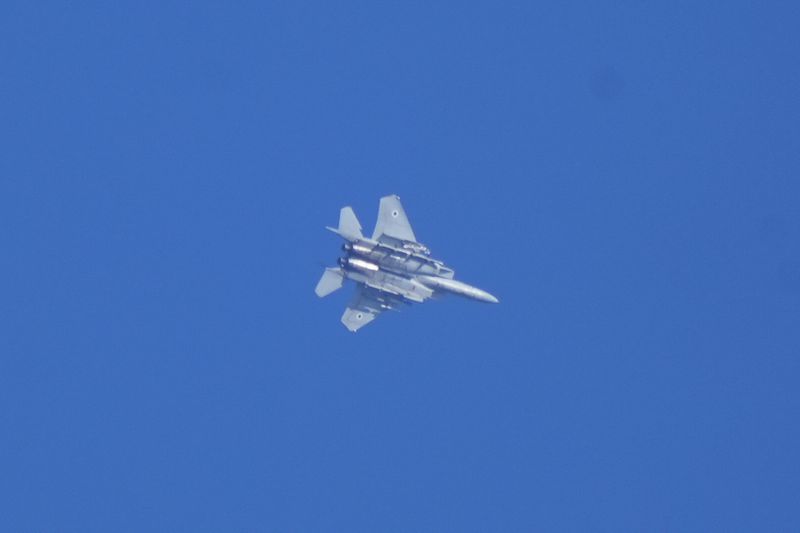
{"type": "Point", "coordinates": [392, 269]}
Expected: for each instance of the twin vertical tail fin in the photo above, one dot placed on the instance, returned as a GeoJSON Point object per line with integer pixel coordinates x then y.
{"type": "Point", "coordinates": [349, 227]}
{"type": "Point", "coordinates": [393, 221]}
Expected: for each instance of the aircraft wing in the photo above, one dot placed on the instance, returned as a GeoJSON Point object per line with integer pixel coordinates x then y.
{"type": "Point", "coordinates": [362, 310]}
{"type": "Point", "coordinates": [392, 221]}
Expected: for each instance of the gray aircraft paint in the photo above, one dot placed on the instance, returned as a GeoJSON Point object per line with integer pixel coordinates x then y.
{"type": "Point", "coordinates": [391, 269]}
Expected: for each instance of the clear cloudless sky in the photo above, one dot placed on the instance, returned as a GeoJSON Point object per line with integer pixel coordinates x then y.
{"type": "Point", "coordinates": [622, 175]}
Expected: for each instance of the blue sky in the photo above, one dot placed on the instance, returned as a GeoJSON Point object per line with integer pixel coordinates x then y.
{"type": "Point", "coordinates": [622, 175]}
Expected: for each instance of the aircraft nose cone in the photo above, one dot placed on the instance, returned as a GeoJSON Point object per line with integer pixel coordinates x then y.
{"type": "Point", "coordinates": [486, 297]}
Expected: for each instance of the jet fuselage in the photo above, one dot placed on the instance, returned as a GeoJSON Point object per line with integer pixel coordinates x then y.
{"type": "Point", "coordinates": [421, 275]}
{"type": "Point", "coordinates": [390, 269]}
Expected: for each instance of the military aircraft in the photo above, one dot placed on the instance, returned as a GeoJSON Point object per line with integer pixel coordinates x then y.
{"type": "Point", "coordinates": [391, 269]}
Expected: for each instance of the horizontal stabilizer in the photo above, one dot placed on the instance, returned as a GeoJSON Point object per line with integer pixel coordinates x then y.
{"type": "Point", "coordinates": [331, 280]}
